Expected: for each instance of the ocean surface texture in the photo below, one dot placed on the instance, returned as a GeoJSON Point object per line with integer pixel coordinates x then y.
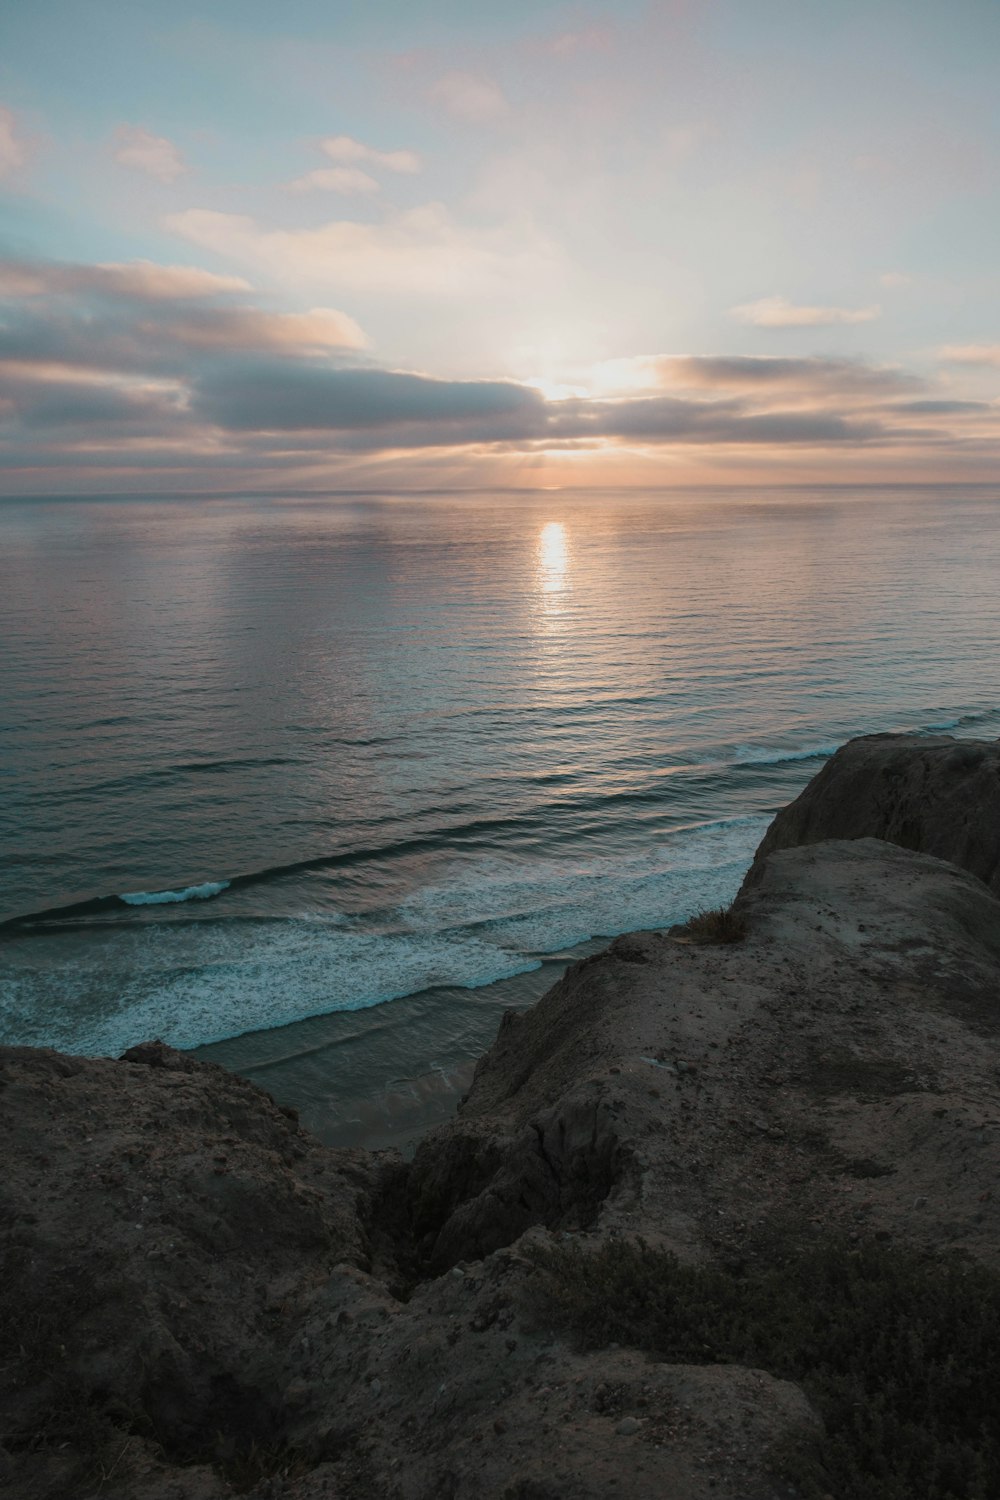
{"type": "Point", "coordinates": [328, 784]}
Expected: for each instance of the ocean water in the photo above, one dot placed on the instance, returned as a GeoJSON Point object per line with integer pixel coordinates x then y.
{"type": "Point", "coordinates": [320, 786]}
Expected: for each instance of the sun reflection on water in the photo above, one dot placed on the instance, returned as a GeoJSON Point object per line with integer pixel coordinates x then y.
{"type": "Point", "coordinates": [552, 558]}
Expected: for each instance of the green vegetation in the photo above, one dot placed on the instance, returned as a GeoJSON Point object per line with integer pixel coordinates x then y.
{"type": "Point", "coordinates": [722, 925]}
{"type": "Point", "coordinates": [897, 1352]}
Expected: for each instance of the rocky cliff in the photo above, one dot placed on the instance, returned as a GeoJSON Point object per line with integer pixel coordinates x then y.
{"type": "Point", "coordinates": [199, 1300]}
{"type": "Point", "coordinates": [935, 794]}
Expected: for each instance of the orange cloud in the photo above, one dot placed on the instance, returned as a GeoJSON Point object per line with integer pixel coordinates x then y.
{"type": "Point", "coordinates": [972, 354]}
{"type": "Point", "coordinates": [778, 312]}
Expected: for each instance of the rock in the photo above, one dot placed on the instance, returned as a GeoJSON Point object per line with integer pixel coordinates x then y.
{"type": "Point", "coordinates": [933, 794]}
{"type": "Point", "coordinates": [628, 1426]}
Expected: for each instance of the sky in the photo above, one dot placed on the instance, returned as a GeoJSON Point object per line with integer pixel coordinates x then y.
{"type": "Point", "coordinates": [434, 244]}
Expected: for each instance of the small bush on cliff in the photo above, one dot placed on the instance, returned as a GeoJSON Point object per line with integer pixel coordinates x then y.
{"type": "Point", "coordinates": [722, 925]}
{"type": "Point", "coordinates": [896, 1351]}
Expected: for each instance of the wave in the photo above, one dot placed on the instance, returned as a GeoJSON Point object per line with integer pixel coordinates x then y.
{"type": "Point", "coordinates": [74, 913]}
{"type": "Point", "coordinates": [763, 755]}
{"type": "Point", "coordinates": [163, 898]}
{"type": "Point", "coordinates": [157, 775]}
{"type": "Point", "coordinates": [474, 832]}
{"type": "Point", "coordinates": [979, 717]}
{"type": "Point", "coordinates": [102, 990]}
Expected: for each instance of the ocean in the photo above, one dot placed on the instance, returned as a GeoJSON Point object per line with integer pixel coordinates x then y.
{"type": "Point", "coordinates": [320, 786]}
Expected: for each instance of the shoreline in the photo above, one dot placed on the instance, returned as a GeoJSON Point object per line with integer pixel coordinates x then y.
{"type": "Point", "coordinates": [385, 1106]}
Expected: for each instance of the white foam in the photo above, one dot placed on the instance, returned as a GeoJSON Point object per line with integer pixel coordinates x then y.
{"type": "Point", "coordinates": [546, 905]}
{"type": "Point", "coordinates": [215, 982]}
{"type": "Point", "coordinates": [764, 755]}
{"type": "Point", "coordinates": [163, 898]}
{"type": "Point", "coordinates": [191, 983]}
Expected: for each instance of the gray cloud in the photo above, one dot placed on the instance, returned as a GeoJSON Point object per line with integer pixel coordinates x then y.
{"type": "Point", "coordinates": [140, 280]}
{"type": "Point", "coordinates": [662, 419]}
{"type": "Point", "coordinates": [149, 319]}
{"type": "Point", "coordinates": [273, 397]}
{"type": "Point", "coordinates": [754, 372]}
{"type": "Point", "coordinates": [63, 405]}
{"type": "Point", "coordinates": [942, 408]}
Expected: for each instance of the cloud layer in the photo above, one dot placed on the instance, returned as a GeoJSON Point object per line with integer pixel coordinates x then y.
{"type": "Point", "coordinates": [139, 370]}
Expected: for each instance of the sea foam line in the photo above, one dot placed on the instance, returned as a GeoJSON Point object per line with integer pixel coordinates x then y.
{"type": "Point", "coordinates": [202, 982]}
{"type": "Point", "coordinates": [164, 898]}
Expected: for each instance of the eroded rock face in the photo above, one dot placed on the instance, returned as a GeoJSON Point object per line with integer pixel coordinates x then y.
{"type": "Point", "coordinates": [195, 1306]}
{"type": "Point", "coordinates": [156, 1213]}
{"type": "Point", "coordinates": [938, 795]}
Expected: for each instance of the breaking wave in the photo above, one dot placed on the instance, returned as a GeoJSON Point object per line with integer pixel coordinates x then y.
{"type": "Point", "coordinates": [99, 991]}
{"type": "Point", "coordinates": [164, 898]}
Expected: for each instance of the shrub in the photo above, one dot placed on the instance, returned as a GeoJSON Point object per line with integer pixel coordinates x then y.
{"type": "Point", "coordinates": [896, 1351]}
{"type": "Point", "coordinates": [722, 925]}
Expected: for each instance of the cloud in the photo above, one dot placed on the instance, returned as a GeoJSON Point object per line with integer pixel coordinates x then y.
{"type": "Point", "coordinates": [144, 317]}
{"type": "Point", "coordinates": [155, 155]}
{"type": "Point", "coordinates": [335, 180]}
{"type": "Point", "coordinates": [895, 279]}
{"type": "Point", "coordinates": [271, 397]}
{"type": "Point", "coordinates": [778, 312]}
{"type": "Point", "coordinates": [345, 149]}
{"type": "Point", "coordinates": [764, 377]}
{"type": "Point", "coordinates": [570, 43]}
{"type": "Point", "coordinates": [810, 376]}
{"type": "Point", "coordinates": [470, 97]}
{"type": "Point", "coordinates": [138, 368]}
{"type": "Point", "coordinates": [145, 279]}
{"type": "Point", "coordinates": [421, 252]}
{"type": "Point", "coordinates": [322, 328]}
{"type": "Point", "coordinates": [141, 279]}
{"type": "Point", "coordinates": [15, 148]}
{"type": "Point", "coordinates": [971, 354]}
{"type": "Point", "coordinates": [69, 405]}
{"type": "Point", "coordinates": [945, 408]}
{"type": "Point", "coordinates": [664, 419]}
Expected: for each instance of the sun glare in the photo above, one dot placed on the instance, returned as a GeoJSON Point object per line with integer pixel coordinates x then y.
{"type": "Point", "coordinates": [552, 557]}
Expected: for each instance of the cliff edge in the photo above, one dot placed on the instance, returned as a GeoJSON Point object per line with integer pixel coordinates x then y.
{"type": "Point", "coordinates": [931, 793]}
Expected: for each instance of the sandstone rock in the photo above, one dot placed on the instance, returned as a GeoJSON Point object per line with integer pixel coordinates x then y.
{"type": "Point", "coordinates": [937, 795]}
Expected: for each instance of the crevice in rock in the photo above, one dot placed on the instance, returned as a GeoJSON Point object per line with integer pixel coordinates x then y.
{"type": "Point", "coordinates": [469, 1194]}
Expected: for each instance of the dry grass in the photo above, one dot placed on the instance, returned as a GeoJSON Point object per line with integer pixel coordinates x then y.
{"type": "Point", "coordinates": [721, 925]}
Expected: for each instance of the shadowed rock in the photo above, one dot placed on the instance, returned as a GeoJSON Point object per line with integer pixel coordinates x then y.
{"type": "Point", "coordinates": [938, 795]}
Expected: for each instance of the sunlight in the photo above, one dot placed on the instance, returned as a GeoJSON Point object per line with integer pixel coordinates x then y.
{"type": "Point", "coordinates": [552, 557]}
{"type": "Point", "coordinates": [557, 390]}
